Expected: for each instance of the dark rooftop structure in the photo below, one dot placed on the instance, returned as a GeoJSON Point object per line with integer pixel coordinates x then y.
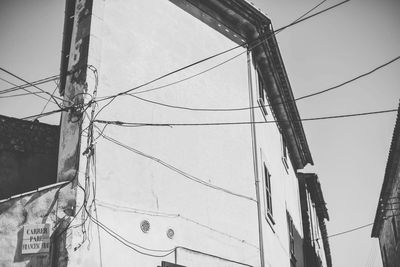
{"type": "Point", "coordinates": [387, 222]}
{"type": "Point", "coordinates": [309, 182]}
{"type": "Point", "coordinates": [28, 155]}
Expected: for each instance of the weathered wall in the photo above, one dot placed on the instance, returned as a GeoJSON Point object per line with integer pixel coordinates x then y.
{"type": "Point", "coordinates": [28, 155]}
{"type": "Point", "coordinates": [34, 208]}
{"type": "Point", "coordinates": [132, 43]}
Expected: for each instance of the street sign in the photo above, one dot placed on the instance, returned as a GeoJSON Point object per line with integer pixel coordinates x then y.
{"type": "Point", "coordinates": [36, 239]}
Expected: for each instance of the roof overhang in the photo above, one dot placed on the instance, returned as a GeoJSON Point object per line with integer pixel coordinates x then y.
{"type": "Point", "coordinates": [315, 190]}
{"type": "Point", "coordinates": [392, 172]}
{"type": "Point", "coordinates": [243, 23]}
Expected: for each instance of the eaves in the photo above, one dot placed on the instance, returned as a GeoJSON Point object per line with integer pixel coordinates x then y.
{"type": "Point", "coordinates": [244, 24]}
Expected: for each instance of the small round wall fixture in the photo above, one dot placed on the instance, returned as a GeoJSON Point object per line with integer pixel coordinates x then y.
{"type": "Point", "coordinates": [145, 226]}
{"type": "Point", "coordinates": [170, 233]}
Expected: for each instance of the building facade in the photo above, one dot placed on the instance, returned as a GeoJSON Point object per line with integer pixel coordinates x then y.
{"type": "Point", "coordinates": [314, 213]}
{"type": "Point", "coordinates": [387, 222]}
{"type": "Point", "coordinates": [196, 167]}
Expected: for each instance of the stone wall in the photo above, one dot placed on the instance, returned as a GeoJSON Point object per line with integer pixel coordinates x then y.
{"type": "Point", "coordinates": [28, 155]}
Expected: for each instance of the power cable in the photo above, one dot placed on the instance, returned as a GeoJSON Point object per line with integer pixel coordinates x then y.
{"type": "Point", "coordinates": [38, 82]}
{"type": "Point", "coordinates": [260, 40]}
{"type": "Point", "coordinates": [47, 113]}
{"type": "Point", "coordinates": [356, 228]}
{"type": "Point", "coordinates": [255, 107]}
{"type": "Point", "coordinates": [82, 108]}
{"type": "Point", "coordinates": [311, 10]}
{"type": "Point", "coordinates": [231, 58]}
{"type": "Point", "coordinates": [48, 101]}
{"type": "Point", "coordinates": [28, 92]}
{"type": "Point", "coordinates": [22, 94]}
{"type": "Point", "coordinates": [170, 215]}
{"type": "Point", "coordinates": [141, 124]}
{"type": "Point", "coordinates": [19, 78]}
{"type": "Point", "coordinates": [348, 231]}
{"type": "Point", "coordinates": [177, 170]}
{"type": "Point", "coordinates": [129, 243]}
{"type": "Point", "coordinates": [253, 43]}
{"type": "Point", "coordinates": [187, 78]}
{"type": "Point", "coordinates": [351, 80]}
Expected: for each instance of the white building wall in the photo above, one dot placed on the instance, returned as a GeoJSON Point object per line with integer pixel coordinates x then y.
{"type": "Point", "coordinates": [284, 186]}
{"type": "Point", "coordinates": [133, 42]}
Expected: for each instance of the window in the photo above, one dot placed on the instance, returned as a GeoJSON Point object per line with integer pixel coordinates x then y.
{"type": "Point", "coordinates": [284, 152]}
{"type": "Point", "coordinates": [291, 239]}
{"type": "Point", "coordinates": [395, 234]}
{"type": "Point", "coordinates": [262, 97]}
{"type": "Point", "coordinates": [268, 192]}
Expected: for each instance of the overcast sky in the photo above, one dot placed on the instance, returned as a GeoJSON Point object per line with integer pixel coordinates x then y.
{"type": "Point", "coordinates": [349, 154]}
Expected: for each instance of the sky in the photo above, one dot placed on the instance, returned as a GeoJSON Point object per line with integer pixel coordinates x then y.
{"type": "Point", "coordinates": [349, 154]}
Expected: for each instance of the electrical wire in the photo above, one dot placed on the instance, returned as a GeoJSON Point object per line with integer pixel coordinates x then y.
{"type": "Point", "coordinates": [38, 82]}
{"type": "Point", "coordinates": [133, 246]}
{"type": "Point", "coordinates": [255, 107]}
{"type": "Point", "coordinates": [351, 80]}
{"type": "Point", "coordinates": [231, 58]}
{"type": "Point", "coordinates": [311, 10]}
{"type": "Point", "coordinates": [130, 244]}
{"type": "Point", "coordinates": [47, 113]}
{"type": "Point", "coordinates": [19, 78]}
{"type": "Point", "coordinates": [22, 94]}
{"type": "Point", "coordinates": [177, 170]}
{"type": "Point", "coordinates": [142, 124]}
{"type": "Point", "coordinates": [187, 78]}
{"type": "Point", "coordinates": [257, 42]}
{"type": "Point", "coordinates": [348, 231]}
{"type": "Point", "coordinates": [253, 43]}
{"type": "Point", "coordinates": [48, 101]}
{"type": "Point", "coordinates": [219, 64]}
{"type": "Point", "coordinates": [356, 228]}
{"type": "Point", "coordinates": [29, 92]}
{"type": "Point", "coordinates": [170, 215]}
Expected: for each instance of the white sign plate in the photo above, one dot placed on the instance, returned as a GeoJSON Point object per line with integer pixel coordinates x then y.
{"type": "Point", "coordinates": [36, 238]}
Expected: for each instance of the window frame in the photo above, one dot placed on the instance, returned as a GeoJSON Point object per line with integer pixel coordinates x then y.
{"type": "Point", "coordinates": [291, 239]}
{"type": "Point", "coordinates": [284, 152]}
{"type": "Point", "coordinates": [262, 96]}
{"type": "Point", "coordinates": [267, 188]}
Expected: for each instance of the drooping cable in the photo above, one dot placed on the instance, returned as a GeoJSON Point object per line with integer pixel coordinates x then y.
{"type": "Point", "coordinates": [177, 170]}
{"type": "Point", "coordinates": [250, 45]}
{"type": "Point", "coordinates": [247, 108]}
{"type": "Point", "coordinates": [173, 124]}
{"type": "Point", "coordinates": [170, 215]}
{"type": "Point", "coordinates": [40, 89]}
{"type": "Point", "coordinates": [26, 85]}
{"type": "Point", "coordinates": [26, 90]}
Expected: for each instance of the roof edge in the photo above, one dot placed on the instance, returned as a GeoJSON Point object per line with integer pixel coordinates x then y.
{"type": "Point", "coordinates": [243, 23]}
{"type": "Point", "coordinates": [390, 173]}
{"type": "Point", "coordinates": [312, 180]}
